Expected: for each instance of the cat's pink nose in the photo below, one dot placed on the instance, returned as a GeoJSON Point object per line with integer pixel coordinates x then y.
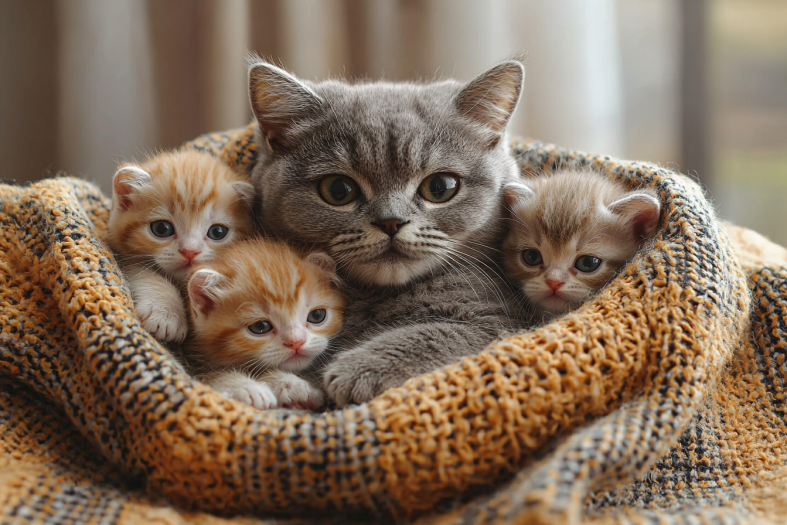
{"type": "Point", "coordinates": [294, 344]}
{"type": "Point", "coordinates": [555, 285]}
{"type": "Point", "coordinates": [189, 254]}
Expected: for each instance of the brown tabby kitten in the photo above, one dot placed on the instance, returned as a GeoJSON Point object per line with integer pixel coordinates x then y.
{"type": "Point", "coordinates": [571, 231]}
{"type": "Point", "coordinates": [261, 312]}
{"type": "Point", "coordinates": [169, 214]}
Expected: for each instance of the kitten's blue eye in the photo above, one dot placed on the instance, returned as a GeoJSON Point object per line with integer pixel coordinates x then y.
{"type": "Point", "coordinates": [532, 257]}
{"type": "Point", "coordinates": [587, 263]}
{"type": "Point", "coordinates": [162, 229]}
{"type": "Point", "coordinates": [260, 327]}
{"type": "Point", "coordinates": [439, 187]}
{"type": "Point", "coordinates": [338, 190]}
{"type": "Point", "coordinates": [217, 232]}
{"type": "Point", "coordinates": [317, 316]}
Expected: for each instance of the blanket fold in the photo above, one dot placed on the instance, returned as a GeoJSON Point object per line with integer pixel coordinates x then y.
{"type": "Point", "coordinates": [664, 394]}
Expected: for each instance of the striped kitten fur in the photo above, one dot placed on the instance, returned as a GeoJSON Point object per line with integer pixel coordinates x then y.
{"type": "Point", "coordinates": [571, 232]}
{"type": "Point", "coordinates": [260, 312]}
{"type": "Point", "coordinates": [169, 214]}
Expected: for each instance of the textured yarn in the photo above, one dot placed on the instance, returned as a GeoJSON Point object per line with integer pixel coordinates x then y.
{"type": "Point", "coordinates": [660, 401]}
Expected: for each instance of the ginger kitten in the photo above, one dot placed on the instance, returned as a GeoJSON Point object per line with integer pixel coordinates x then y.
{"type": "Point", "coordinates": [169, 214]}
{"type": "Point", "coordinates": [261, 312]}
{"type": "Point", "coordinates": [571, 232]}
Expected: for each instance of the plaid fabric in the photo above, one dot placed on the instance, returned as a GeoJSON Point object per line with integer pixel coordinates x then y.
{"type": "Point", "coordinates": [661, 401]}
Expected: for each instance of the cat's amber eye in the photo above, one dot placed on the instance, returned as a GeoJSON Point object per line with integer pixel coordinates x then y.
{"type": "Point", "coordinates": [439, 187]}
{"type": "Point", "coordinates": [162, 229]}
{"type": "Point", "coordinates": [317, 315]}
{"type": "Point", "coordinates": [338, 190]}
{"type": "Point", "coordinates": [217, 232]}
{"type": "Point", "coordinates": [532, 257]}
{"type": "Point", "coordinates": [587, 263]}
{"type": "Point", "coordinates": [260, 327]}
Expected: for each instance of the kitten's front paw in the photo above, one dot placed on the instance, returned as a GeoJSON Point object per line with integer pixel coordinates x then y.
{"type": "Point", "coordinates": [164, 323]}
{"type": "Point", "coordinates": [357, 376]}
{"type": "Point", "coordinates": [254, 393]}
{"type": "Point", "coordinates": [294, 392]}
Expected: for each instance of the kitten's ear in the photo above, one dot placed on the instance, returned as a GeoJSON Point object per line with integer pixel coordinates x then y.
{"type": "Point", "coordinates": [279, 102]}
{"type": "Point", "coordinates": [126, 182]}
{"type": "Point", "coordinates": [516, 192]}
{"type": "Point", "coordinates": [641, 211]}
{"type": "Point", "coordinates": [203, 289]}
{"type": "Point", "coordinates": [490, 99]}
{"type": "Point", "coordinates": [324, 261]}
{"type": "Point", "coordinates": [246, 192]}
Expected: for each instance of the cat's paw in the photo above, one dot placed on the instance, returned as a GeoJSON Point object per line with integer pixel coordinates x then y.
{"type": "Point", "coordinates": [292, 391]}
{"type": "Point", "coordinates": [358, 376]}
{"type": "Point", "coordinates": [164, 322]}
{"type": "Point", "coordinates": [254, 393]}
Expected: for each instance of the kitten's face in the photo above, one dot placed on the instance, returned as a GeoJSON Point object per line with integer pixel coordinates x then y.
{"type": "Point", "coordinates": [571, 232]}
{"type": "Point", "coordinates": [261, 306]}
{"type": "Point", "coordinates": [177, 209]}
{"type": "Point", "coordinates": [393, 180]}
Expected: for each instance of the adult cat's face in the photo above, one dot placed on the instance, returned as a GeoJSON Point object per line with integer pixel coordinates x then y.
{"type": "Point", "coordinates": [393, 180]}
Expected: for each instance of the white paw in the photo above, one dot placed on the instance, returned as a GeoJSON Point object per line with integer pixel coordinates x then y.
{"type": "Point", "coordinates": [254, 393]}
{"type": "Point", "coordinates": [294, 392]}
{"type": "Point", "coordinates": [165, 324]}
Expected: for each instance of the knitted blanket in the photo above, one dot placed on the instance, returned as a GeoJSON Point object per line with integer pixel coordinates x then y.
{"type": "Point", "coordinates": [660, 401]}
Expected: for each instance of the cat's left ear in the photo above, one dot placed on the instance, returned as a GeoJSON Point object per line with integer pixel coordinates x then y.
{"type": "Point", "coordinates": [203, 289]}
{"type": "Point", "coordinates": [490, 99]}
{"type": "Point", "coordinates": [127, 181]}
{"type": "Point", "coordinates": [641, 211]}
{"type": "Point", "coordinates": [246, 192]}
{"type": "Point", "coordinates": [324, 261]}
{"type": "Point", "coordinates": [516, 192]}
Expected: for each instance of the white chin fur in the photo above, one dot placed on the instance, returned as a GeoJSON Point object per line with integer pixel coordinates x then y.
{"type": "Point", "coordinates": [389, 274]}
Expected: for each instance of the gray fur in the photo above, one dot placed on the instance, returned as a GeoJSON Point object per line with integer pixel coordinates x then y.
{"type": "Point", "coordinates": [440, 299]}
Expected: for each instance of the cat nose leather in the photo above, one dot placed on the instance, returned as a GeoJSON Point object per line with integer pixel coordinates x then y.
{"type": "Point", "coordinates": [189, 254]}
{"type": "Point", "coordinates": [555, 285]}
{"type": "Point", "coordinates": [295, 345]}
{"type": "Point", "coordinates": [390, 226]}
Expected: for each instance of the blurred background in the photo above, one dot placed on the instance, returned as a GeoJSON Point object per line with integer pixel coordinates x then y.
{"type": "Point", "coordinates": [696, 85]}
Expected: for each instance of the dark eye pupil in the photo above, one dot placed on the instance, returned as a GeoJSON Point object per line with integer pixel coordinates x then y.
{"type": "Point", "coordinates": [162, 229]}
{"type": "Point", "coordinates": [438, 187]}
{"type": "Point", "coordinates": [339, 189]}
{"type": "Point", "coordinates": [587, 263]}
{"type": "Point", "coordinates": [218, 231]}
{"type": "Point", "coordinates": [317, 316]}
{"type": "Point", "coordinates": [532, 257]}
{"type": "Point", "coordinates": [260, 327]}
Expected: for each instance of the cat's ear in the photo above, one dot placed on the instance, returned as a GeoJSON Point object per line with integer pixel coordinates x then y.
{"type": "Point", "coordinates": [324, 261]}
{"type": "Point", "coordinates": [279, 102]}
{"type": "Point", "coordinates": [245, 191]}
{"type": "Point", "coordinates": [641, 211]}
{"type": "Point", "coordinates": [516, 192]}
{"type": "Point", "coordinates": [127, 181]}
{"type": "Point", "coordinates": [203, 289]}
{"type": "Point", "coordinates": [490, 99]}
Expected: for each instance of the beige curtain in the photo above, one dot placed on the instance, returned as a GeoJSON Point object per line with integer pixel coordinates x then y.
{"type": "Point", "coordinates": [85, 83]}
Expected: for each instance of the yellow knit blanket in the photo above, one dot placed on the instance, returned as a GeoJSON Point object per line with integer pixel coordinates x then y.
{"type": "Point", "coordinates": [661, 401]}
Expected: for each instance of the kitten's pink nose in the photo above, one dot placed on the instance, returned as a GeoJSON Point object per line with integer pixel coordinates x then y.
{"type": "Point", "coordinates": [189, 254]}
{"type": "Point", "coordinates": [555, 285]}
{"type": "Point", "coordinates": [295, 344]}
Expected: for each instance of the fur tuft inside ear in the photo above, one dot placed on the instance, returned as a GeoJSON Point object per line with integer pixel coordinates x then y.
{"type": "Point", "coordinates": [491, 98]}
{"type": "Point", "coordinates": [203, 289]}
{"type": "Point", "coordinates": [246, 192]}
{"type": "Point", "coordinates": [324, 261]}
{"type": "Point", "coordinates": [279, 102]}
{"type": "Point", "coordinates": [516, 192]}
{"type": "Point", "coordinates": [127, 181]}
{"type": "Point", "coordinates": [641, 210]}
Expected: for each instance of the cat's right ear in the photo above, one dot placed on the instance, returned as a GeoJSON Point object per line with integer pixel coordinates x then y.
{"type": "Point", "coordinates": [325, 262]}
{"type": "Point", "coordinates": [127, 181]}
{"type": "Point", "coordinates": [515, 193]}
{"type": "Point", "coordinates": [279, 102]}
{"type": "Point", "coordinates": [203, 289]}
{"type": "Point", "coordinates": [491, 98]}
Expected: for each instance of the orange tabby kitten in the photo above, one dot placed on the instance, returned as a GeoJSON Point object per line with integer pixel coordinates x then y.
{"type": "Point", "coordinates": [571, 232]}
{"type": "Point", "coordinates": [259, 313]}
{"type": "Point", "coordinates": [169, 214]}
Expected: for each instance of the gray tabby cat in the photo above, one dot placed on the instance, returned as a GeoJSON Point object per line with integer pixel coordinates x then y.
{"type": "Point", "coordinates": [401, 184]}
